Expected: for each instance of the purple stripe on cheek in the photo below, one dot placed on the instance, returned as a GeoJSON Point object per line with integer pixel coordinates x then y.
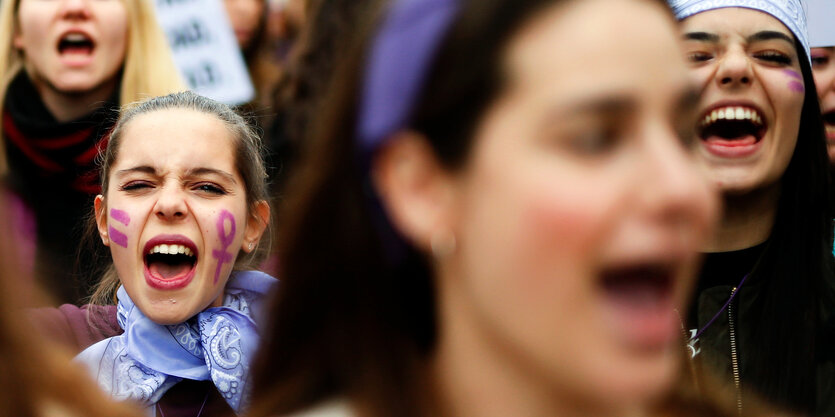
{"type": "Point", "coordinates": [120, 216]}
{"type": "Point", "coordinates": [796, 87]}
{"type": "Point", "coordinates": [793, 74]}
{"type": "Point", "coordinates": [118, 237]}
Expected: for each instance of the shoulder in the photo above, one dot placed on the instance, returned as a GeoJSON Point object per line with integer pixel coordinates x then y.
{"type": "Point", "coordinates": [75, 327]}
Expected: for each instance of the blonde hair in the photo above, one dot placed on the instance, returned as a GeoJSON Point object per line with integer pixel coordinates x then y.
{"type": "Point", "coordinates": [148, 69]}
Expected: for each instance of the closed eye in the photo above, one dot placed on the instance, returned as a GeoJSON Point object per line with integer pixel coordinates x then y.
{"type": "Point", "coordinates": [210, 188]}
{"type": "Point", "coordinates": [135, 186]}
{"type": "Point", "coordinates": [774, 57]}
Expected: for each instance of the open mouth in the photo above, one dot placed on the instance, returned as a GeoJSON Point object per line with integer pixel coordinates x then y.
{"type": "Point", "coordinates": [639, 287]}
{"type": "Point", "coordinates": [640, 299]}
{"type": "Point", "coordinates": [829, 123]}
{"type": "Point", "coordinates": [732, 126]}
{"type": "Point", "coordinates": [76, 43]}
{"type": "Point", "coordinates": [170, 261]}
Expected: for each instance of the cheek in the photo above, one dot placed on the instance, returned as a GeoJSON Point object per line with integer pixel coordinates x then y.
{"type": "Point", "coordinates": [226, 230]}
{"type": "Point", "coordinates": [794, 81]}
{"type": "Point", "coordinates": [118, 227]}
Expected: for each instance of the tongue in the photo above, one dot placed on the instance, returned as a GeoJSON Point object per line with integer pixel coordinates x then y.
{"type": "Point", "coordinates": [169, 271]}
{"type": "Point", "coordinates": [746, 140]}
{"type": "Point", "coordinates": [77, 49]}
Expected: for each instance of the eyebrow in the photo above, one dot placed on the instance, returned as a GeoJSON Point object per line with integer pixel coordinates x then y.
{"type": "Point", "coordinates": [768, 35]}
{"type": "Point", "coordinates": [194, 172]}
{"type": "Point", "coordinates": [702, 37]}
{"type": "Point", "coordinates": [144, 169]}
{"type": "Point", "coordinates": [610, 103]}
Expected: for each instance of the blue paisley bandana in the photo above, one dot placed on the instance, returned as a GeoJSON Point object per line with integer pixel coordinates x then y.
{"type": "Point", "coordinates": [217, 344]}
{"type": "Point", "coordinates": [790, 12]}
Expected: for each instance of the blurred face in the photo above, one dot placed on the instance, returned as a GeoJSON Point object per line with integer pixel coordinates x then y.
{"type": "Point", "coordinates": [244, 16]}
{"type": "Point", "coordinates": [752, 94]}
{"type": "Point", "coordinates": [175, 213]}
{"type": "Point", "coordinates": [580, 210]}
{"type": "Point", "coordinates": [72, 46]}
{"type": "Point", "coordinates": [823, 67]}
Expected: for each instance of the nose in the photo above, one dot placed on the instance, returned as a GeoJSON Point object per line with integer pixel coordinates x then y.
{"type": "Point", "coordinates": [75, 9]}
{"type": "Point", "coordinates": [675, 193]}
{"type": "Point", "coordinates": [171, 204]}
{"type": "Point", "coordinates": [734, 69]}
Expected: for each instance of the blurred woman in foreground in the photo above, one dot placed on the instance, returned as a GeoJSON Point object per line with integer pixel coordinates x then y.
{"type": "Point", "coordinates": [507, 227]}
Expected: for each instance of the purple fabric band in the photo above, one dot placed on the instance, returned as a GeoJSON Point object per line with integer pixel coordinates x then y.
{"type": "Point", "coordinates": [398, 61]}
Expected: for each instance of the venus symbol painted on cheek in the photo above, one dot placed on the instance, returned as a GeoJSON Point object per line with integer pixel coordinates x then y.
{"type": "Point", "coordinates": [796, 84]}
{"type": "Point", "coordinates": [226, 238]}
{"type": "Point", "coordinates": [116, 236]}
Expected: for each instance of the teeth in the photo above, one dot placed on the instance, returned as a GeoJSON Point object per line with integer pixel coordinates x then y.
{"type": "Point", "coordinates": [75, 37]}
{"type": "Point", "coordinates": [732, 113]}
{"type": "Point", "coordinates": [171, 250]}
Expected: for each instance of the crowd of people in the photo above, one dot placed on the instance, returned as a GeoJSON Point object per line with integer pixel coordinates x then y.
{"type": "Point", "coordinates": [429, 208]}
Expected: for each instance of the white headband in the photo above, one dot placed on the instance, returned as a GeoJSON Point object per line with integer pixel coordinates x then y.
{"type": "Point", "coordinates": [789, 12]}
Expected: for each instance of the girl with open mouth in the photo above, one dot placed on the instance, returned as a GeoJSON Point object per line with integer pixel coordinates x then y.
{"type": "Point", "coordinates": [66, 67]}
{"type": "Point", "coordinates": [182, 210]}
{"type": "Point", "coordinates": [766, 288]}
{"type": "Point", "coordinates": [499, 215]}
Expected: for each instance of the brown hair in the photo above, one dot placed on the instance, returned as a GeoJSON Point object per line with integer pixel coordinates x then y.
{"type": "Point", "coordinates": [354, 318]}
{"type": "Point", "coordinates": [248, 162]}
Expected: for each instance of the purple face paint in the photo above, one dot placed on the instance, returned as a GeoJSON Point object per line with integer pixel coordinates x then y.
{"type": "Point", "coordinates": [793, 74]}
{"type": "Point", "coordinates": [118, 237]}
{"type": "Point", "coordinates": [226, 239]}
{"type": "Point", "coordinates": [796, 86]}
{"type": "Point", "coordinates": [120, 216]}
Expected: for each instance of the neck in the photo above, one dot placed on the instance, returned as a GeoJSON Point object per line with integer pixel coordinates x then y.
{"type": "Point", "coordinates": [70, 106]}
{"type": "Point", "coordinates": [474, 371]}
{"type": "Point", "coordinates": [747, 220]}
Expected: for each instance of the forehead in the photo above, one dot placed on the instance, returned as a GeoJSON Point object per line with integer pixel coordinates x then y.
{"type": "Point", "coordinates": [176, 138]}
{"type": "Point", "coordinates": [586, 47]}
{"type": "Point", "coordinates": [731, 21]}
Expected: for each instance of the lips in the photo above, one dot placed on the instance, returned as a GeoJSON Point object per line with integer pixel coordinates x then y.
{"type": "Point", "coordinates": [732, 130]}
{"type": "Point", "coordinates": [169, 261]}
{"type": "Point", "coordinates": [829, 123]}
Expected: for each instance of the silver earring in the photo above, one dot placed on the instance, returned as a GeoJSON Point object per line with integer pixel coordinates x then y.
{"type": "Point", "coordinates": [443, 244]}
{"type": "Point", "coordinates": [251, 245]}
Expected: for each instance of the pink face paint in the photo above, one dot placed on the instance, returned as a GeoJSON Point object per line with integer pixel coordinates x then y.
{"type": "Point", "coordinates": [226, 239]}
{"type": "Point", "coordinates": [795, 85]}
{"type": "Point", "coordinates": [120, 216]}
{"type": "Point", "coordinates": [118, 237]}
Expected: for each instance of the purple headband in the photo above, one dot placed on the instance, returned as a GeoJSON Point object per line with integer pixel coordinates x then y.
{"type": "Point", "coordinates": [401, 54]}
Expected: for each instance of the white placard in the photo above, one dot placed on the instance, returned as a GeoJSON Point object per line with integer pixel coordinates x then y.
{"type": "Point", "coordinates": [205, 49]}
{"type": "Point", "coordinates": [821, 16]}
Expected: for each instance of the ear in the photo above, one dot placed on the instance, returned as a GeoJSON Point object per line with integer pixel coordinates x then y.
{"type": "Point", "coordinates": [100, 210]}
{"type": "Point", "coordinates": [255, 225]}
{"type": "Point", "coordinates": [415, 189]}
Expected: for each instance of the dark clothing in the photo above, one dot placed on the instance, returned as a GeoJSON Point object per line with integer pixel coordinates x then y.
{"type": "Point", "coordinates": [77, 328]}
{"type": "Point", "coordinates": [52, 169]}
{"type": "Point", "coordinates": [721, 273]}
